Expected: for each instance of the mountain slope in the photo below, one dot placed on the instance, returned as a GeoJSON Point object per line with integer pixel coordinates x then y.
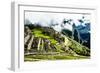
{"type": "Point", "coordinates": [46, 43]}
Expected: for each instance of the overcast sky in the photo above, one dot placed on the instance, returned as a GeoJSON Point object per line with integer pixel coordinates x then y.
{"type": "Point", "coordinates": [46, 18]}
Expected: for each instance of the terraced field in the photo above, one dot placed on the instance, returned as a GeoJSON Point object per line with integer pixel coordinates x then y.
{"type": "Point", "coordinates": [45, 43]}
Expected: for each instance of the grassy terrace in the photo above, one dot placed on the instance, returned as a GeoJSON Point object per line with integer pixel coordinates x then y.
{"type": "Point", "coordinates": [74, 46]}
{"type": "Point", "coordinates": [38, 33]}
{"type": "Point", "coordinates": [53, 57]}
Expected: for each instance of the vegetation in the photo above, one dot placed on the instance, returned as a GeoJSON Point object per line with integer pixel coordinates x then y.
{"type": "Point", "coordinates": [78, 48]}
{"type": "Point", "coordinates": [48, 44]}
{"type": "Point", "coordinates": [53, 57]}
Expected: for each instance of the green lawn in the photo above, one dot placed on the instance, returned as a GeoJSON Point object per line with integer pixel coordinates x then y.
{"type": "Point", "coordinates": [53, 57]}
{"type": "Point", "coordinates": [38, 33]}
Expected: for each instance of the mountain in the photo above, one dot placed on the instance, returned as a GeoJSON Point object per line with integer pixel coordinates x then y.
{"type": "Point", "coordinates": [45, 43]}
{"type": "Point", "coordinates": [80, 32]}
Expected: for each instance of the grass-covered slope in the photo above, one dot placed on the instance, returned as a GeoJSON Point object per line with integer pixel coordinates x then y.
{"type": "Point", "coordinates": [78, 48]}
{"type": "Point", "coordinates": [47, 44]}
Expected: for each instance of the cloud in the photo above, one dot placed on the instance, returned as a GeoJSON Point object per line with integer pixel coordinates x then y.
{"type": "Point", "coordinates": [47, 19]}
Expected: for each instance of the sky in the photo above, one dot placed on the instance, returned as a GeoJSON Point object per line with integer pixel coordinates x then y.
{"type": "Point", "coordinates": [45, 19]}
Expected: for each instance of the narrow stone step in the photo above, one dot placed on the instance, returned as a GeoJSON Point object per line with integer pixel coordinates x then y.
{"type": "Point", "coordinates": [26, 39]}
{"type": "Point", "coordinates": [39, 44]}
{"type": "Point", "coordinates": [30, 43]}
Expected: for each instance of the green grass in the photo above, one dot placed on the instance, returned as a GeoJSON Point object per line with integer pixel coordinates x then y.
{"type": "Point", "coordinates": [38, 33]}
{"type": "Point", "coordinates": [53, 57]}
{"type": "Point", "coordinates": [78, 48]}
{"type": "Point", "coordinates": [59, 47]}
